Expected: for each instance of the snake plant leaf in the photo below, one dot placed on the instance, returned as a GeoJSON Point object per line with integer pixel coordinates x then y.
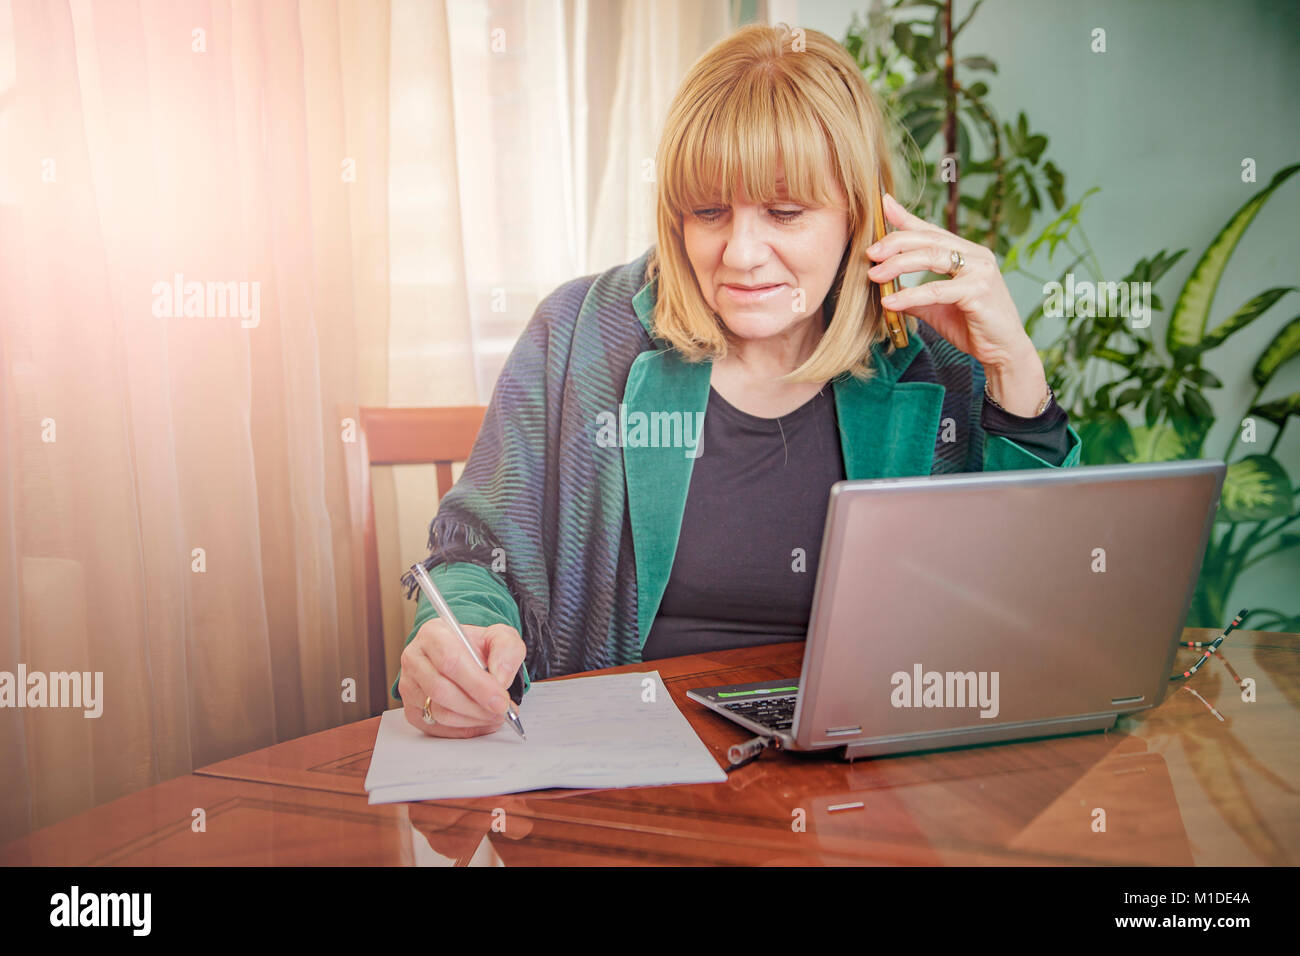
{"type": "Point", "coordinates": [1247, 314]}
{"type": "Point", "coordinates": [1192, 310]}
{"type": "Point", "coordinates": [1278, 411]}
{"type": "Point", "coordinates": [1255, 489]}
{"type": "Point", "coordinates": [1284, 347]}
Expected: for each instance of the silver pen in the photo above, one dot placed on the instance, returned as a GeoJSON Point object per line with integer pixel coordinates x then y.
{"type": "Point", "coordinates": [444, 612]}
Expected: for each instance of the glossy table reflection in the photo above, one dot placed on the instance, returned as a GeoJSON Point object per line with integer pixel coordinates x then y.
{"type": "Point", "coordinates": [1205, 778]}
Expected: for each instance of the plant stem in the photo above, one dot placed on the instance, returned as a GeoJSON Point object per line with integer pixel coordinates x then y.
{"type": "Point", "coordinates": [1238, 559]}
{"type": "Point", "coordinates": [1282, 523]}
{"type": "Point", "coordinates": [1096, 263]}
{"type": "Point", "coordinates": [1277, 438]}
{"type": "Point", "coordinates": [1267, 554]}
{"type": "Point", "coordinates": [1041, 280]}
{"type": "Point", "coordinates": [950, 120]}
{"type": "Point", "coordinates": [1256, 621]}
{"type": "Point", "coordinates": [1224, 547]}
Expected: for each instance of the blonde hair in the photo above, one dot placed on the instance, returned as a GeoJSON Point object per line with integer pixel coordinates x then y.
{"type": "Point", "coordinates": [761, 94]}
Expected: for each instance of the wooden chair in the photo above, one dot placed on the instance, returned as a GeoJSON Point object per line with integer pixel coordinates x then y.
{"type": "Point", "coordinates": [403, 436]}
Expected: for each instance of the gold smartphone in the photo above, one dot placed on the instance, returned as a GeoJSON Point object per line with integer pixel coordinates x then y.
{"type": "Point", "coordinates": [894, 323]}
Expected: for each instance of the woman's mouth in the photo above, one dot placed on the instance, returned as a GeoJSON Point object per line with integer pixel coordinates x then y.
{"type": "Point", "coordinates": [751, 294]}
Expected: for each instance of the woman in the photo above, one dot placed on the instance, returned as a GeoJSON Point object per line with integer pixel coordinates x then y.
{"type": "Point", "coordinates": [653, 471]}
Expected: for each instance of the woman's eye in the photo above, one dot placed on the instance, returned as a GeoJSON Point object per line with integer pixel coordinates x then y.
{"type": "Point", "coordinates": [712, 214]}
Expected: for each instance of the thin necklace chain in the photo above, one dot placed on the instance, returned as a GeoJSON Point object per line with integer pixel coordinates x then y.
{"type": "Point", "coordinates": [786, 448]}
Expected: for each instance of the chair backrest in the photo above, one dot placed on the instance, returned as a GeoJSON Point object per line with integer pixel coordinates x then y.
{"type": "Point", "coordinates": [403, 436]}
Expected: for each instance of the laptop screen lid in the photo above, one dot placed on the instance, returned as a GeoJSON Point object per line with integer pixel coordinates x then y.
{"type": "Point", "coordinates": [958, 602]}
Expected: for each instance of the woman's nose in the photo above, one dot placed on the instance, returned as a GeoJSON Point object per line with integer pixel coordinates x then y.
{"type": "Point", "coordinates": [746, 245]}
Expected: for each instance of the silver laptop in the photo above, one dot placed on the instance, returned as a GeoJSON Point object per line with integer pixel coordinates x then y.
{"type": "Point", "coordinates": [968, 609]}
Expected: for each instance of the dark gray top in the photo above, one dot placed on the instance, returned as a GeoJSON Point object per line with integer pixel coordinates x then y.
{"type": "Point", "coordinates": [751, 534]}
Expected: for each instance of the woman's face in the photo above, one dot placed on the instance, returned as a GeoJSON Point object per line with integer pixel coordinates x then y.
{"type": "Point", "coordinates": [766, 269]}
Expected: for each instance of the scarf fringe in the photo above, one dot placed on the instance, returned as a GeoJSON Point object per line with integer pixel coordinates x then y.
{"type": "Point", "coordinates": [454, 540]}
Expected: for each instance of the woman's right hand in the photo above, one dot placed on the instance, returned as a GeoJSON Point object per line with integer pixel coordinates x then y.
{"type": "Point", "coordinates": [467, 701]}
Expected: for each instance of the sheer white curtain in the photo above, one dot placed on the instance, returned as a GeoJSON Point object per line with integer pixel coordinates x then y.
{"type": "Point", "coordinates": [657, 45]}
{"type": "Point", "coordinates": [173, 497]}
{"type": "Point", "coordinates": [520, 137]}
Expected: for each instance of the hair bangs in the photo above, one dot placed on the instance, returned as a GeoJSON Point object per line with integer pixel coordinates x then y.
{"type": "Point", "coordinates": [759, 136]}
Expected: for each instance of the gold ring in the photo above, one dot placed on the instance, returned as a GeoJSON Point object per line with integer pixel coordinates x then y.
{"type": "Point", "coordinates": [428, 717]}
{"type": "Point", "coordinates": [957, 262]}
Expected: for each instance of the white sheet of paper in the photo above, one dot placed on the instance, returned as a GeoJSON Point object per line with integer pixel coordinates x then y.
{"type": "Point", "coordinates": [585, 732]}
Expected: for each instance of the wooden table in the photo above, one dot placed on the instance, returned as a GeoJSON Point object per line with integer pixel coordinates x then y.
{"type": "Point", "coordinates": [1205, 778]}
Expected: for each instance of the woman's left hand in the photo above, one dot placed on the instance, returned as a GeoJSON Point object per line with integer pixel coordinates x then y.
{"type": "Point", "coordinates": [973, 310]}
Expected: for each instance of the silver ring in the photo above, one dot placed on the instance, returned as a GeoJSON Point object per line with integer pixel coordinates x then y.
{"type": "Point", "coordinates": [957, 262]}
{"type": "Point", "coordinates": [428, 717]}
